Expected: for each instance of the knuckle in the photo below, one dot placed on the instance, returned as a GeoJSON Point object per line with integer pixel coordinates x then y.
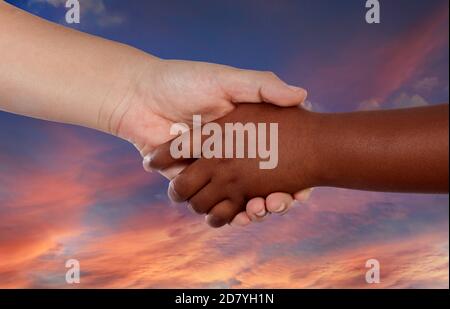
{"type": "Point", "coordinates": [196, 206]}
{"type": "Point", "coordinates": [200, 203]}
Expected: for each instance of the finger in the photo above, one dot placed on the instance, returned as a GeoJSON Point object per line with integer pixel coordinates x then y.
{"type": "Point", "coordinates": [255, 86]}
{"type": "Point", "coordinates": [168, 155]}
{"type": "Point", "coordinates": [222, 213]}
{"type": "Point", "coordinates": [189, 182]}
{"type": "Point", "coordinates": [173, 171]}
{"type": "Point", "coordinates": [146, 163]}
{"type": "Point", "coordinates": [304, 195]}
{"type": "Point", "coordinates": [241, 219]}
{"type": "Point", "coordinates": [279, 202]}
{"type": "Point", "coordinates": [256, 209]}
{"type": "Point", "coordinates": [205, 199]}
{"type": "Point", "coordinates": [160, 158]}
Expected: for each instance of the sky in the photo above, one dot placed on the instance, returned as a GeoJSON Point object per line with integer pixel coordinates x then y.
{"type": "Point", "coordinates": [73, 193]}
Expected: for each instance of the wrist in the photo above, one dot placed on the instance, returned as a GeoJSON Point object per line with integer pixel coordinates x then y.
{"type": "Point", "coordinates": [319, 161]}
{"type": "Point", "coordinates": [128, 87]}
{"type": "Point", "coordinates": [304, 154]}
{"type": "Point", "coordinates": [330, 137]}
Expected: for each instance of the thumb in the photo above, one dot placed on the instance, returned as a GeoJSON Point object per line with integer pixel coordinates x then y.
{"type": "Point", "coordinates": [247, 86]}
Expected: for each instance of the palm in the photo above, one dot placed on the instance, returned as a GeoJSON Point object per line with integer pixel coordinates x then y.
{"type": "Point", "coordinates": [184, 89]}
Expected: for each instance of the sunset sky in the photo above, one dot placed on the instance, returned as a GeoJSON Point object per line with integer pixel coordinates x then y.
{"type": "Point", "coordinates": [69, 192]}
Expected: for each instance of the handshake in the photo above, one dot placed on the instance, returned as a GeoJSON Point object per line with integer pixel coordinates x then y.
{"type": "Point", "coordinates": [255, 150]}
{"type": "Point", "coordinates": [261, 150]}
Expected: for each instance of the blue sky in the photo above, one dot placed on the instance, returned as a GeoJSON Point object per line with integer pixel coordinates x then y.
{"type": "Point", "coordinates": [68, 191]}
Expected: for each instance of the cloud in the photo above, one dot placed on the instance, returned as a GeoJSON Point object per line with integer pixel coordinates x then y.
{"type": "Point", "coordinates": [166, 250]}
{"type": "Point", "coordinates": [42, 208]}
{"type": "Point", "coordinates": [426, 266]}
{"type": "Point", "coordinates": [68, 195]}
{"type": "Point", "coordinates": [54, 3]}
{"type": "Point", "coordinates": [369, 105]}
{"type": "Point", "coordinates": [403, 100]}
{"type": "Point", "coordinates": [39, 210]}
{"type": "Point", "coordinates": [92, 205]}
{"type": "Point", "coordinates": [108, 21]}
{"type": "Point", "coordinates": [426, 84]}
{"type": "Point", "coordinates": [92, 9]}
{"type": "Point", "coordinates": [324, 244]}
{"type": "Point", "coordinates": [372, 74]}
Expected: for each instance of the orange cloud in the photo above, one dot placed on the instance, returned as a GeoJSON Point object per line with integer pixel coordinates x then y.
{"type": "Point", "coordinates": [420, 262]}
{"type": "Point", "coordinates": [42, 208]}
{"type": "Point", "coordinates": [39, 208]}
{"type": "Point", "coordinates": [50, 215]}
{"type": "Point", "coordinates": [163, 247]}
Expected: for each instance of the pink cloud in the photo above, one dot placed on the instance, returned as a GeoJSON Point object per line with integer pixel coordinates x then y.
{"type": "Point", "coordinates": [42, 208]}
{"type": "Point", "coordinates": [368, 72]}
{"type": "Point", "coordinates": [421, 262]}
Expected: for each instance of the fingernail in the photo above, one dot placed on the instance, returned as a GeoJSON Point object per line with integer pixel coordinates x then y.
{"type": "Point", "coordinates": [146, 163]}
{"type": "Point", "coordinates": [295, 88]}
{"type": "Point", "coordinates": [299, 90]}
{"type": "Point", "coordinates": [281, 207]}
{"type": "Point", "coordinates": [214, 221]}
{"type": "Point", "coordinates": [173, 195]}
{"type": "Point", "coordinates": [304, 195]}
{"type": "Point", "coordinates": [261, 213]}
{"type": "Point", "coordinates": [240, 221]}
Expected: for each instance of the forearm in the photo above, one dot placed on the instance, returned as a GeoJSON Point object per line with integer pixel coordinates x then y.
{"type": "Point", "coordinates": [55, 73]}
{"type": "Point", "coordinates": [393, 150]}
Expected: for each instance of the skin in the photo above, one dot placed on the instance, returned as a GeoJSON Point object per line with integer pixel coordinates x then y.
{"type": "Point", "coordinates": [402, 150]}
{"type": "Point", "coordinates": [58, 74]}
